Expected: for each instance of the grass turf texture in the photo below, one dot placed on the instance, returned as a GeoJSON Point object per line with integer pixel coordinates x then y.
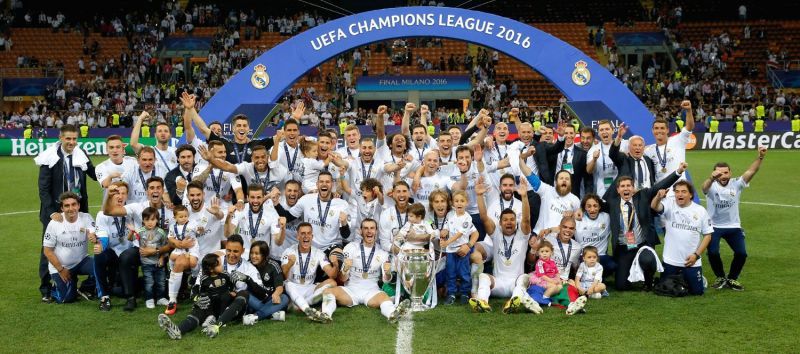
{"type": "Point", "coordinates": [761, 317]}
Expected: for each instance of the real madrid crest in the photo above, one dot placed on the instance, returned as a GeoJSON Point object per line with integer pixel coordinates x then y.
{"type": "Point", "coordinates": [581, 75]}
{"type": "Point", "coordinates": [259, 79]}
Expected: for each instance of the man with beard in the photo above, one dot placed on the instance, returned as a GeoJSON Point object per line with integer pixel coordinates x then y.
{"type": "Point", "coordinates": [723, 194]}
{"type": "Point", "coordinates": [218, 183]}
{"type": "Point", "coordinates": [112, 169]}
{"type": "Point", "coordinates": [317, 209]}
{"type": "Point", "coordinates": [365, 166]}
{"type": "Point", "coordinates": [635, 230]}
{"type": "Point", "coordinates": [634, 164]}
{"type": "Point", "coordinates": [166, 158]}
{"type": "Point", "coordinates": [587, 138]}
{"type": "Point", "coordinates": [364, 265]}
{"type": "Point", "coordinates": [206, 222]}
{"type": "Point", "coordinates": [420, 139]}
{"type": "Point", "coordinates": [587, 141]}
{"type": "Point", "coordinates": [62, 168]}
{"type": "Point", "coordinates": [668, 152]}
{"type": "Point", "coordinates": [241, 148]}
{"type": "Point", "coordinates": [264, 170]}
{"type": "Point", "coordinates": [402, 164]}
{"type": "Point", "coordinates": [292, 192]}
{"type": "Point", "coordinates": [300, 265]}
{"type": "Point", "coordinates": [503, 198]}
{"type": "Point", "coordinates": [555, 200]}
{"type": "Point", "coordinates": [573, 160]}
{"type": "Point", "coordinates": [137, 177]}
{"type": "Point", "coordinates": [177, 179]}
{"type": "Point", "coordinates": [598, 160]}
{"type": "Point", "coordinates": [129, 260]}
{"type": "Point", "coordinates": [258, 221]}
{"type": "Point", "coordinates": [395, 217]}
{"type": "Point", "coordinates": [506, 244]}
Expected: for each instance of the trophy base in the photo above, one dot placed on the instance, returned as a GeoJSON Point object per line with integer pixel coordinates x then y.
{"type": "Point", "coordinates": [418, 306]}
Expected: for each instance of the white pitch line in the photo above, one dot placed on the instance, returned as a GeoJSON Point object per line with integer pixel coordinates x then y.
{"type": "Point", "coordinates": [405, 335]}
{"type": "Point", "coordinates": [33, 211]}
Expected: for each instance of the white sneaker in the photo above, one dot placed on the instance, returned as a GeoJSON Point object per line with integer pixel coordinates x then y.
{"type": "Point", "coordinates": [596, 295]}
{"type": "Point", "coordinates": [150, 304]}
{"type": "Point", "coordinates": [530, 304]}
{"type": "Point", "coordinates": [249, 320]}
{"type": "Point", "coordinates": [576, 305]}
{"type": "Point", "coordinates": [279, 316]}
{"type": "Point", "coordinates": [162, 302]}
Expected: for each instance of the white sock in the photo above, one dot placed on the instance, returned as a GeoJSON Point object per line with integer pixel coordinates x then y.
{"type": "Point", "coordinates": [475, 271]}
{"type": "Point", "coordinates": [484, 287]}
{"type": "Point", "coordinates": [521, 285]}
{"type": "Point", "coordinates": [316, 297]}
{"type": "Point", "coordinates": [174, 285]}
{"type": "Point", "coordinates": [299, 301]}
{"type": "Point", "coordinates": [387, 307]}
{"type": "Point", "coordinates": [328, 304]}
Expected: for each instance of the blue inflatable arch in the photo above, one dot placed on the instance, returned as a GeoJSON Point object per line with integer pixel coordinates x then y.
{"type": "Point", "coordinates": [573, 72]}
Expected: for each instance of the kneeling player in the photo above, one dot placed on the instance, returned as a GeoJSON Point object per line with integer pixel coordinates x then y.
{"type": "Point", "coordinates": [364, 265]}
{"type": "Point", "coordinates": [300, 268]}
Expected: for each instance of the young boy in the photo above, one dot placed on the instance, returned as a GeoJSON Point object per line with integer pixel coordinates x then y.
{"type": "Point", "coordinates": [368, 205]}
{"type": "Point", "coordinates": [415, 234]}
{"type": "Point", "coordinates": [181, 259]}
{"type": "Point", "coordinates": [589, 278]}
{"type": "Point", "coordinates": [151, 238]}
{"type": "Point", "coordinates": [459, 244]}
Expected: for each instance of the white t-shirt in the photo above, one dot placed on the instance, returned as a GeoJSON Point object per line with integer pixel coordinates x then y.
{"type": "Point", "coordinates": [311, 170]}
{"type": "Point", "coordinates": [362, 209]}
{"type": "Point", "coordinates": [587, 275]}
{"type": "Point", "coordinates": [218, 184]}
{"type": "Point", "coordinates": [134, 211]}
{"type": "Point", "coordinates": [207, 229]}
{"type": "Point", "coordinates": [68, 240]}
{"type": "Point", "coordinates": [517, 245]}
{"type": "Point", "coordinates": [459, 223]}
{"type": "Point", "coordinates": [290, 238]}
{"type": "Point", "coordinates": [107, 167]}
{"type": "Point", "coordinates": [314, 211]}
{"type": "Point", "coordinates": [116, 230]}
{"type": "Point", "coordinates": [390, 224]}
{"type": "Point", "coordinates": [166, 160]}
{"type": "Point", "coordinates": [353, 251]}
{"type": "Point", "coordinates": [595, 232]}
{"type": "Point", "coordinates": [685, 228]}
{"type": "Point", "coordinates": [723, 203]}
{"type": "Point", "coordinates": [565, 255]}
{"type": "Point", "coordinates": [265, 223]}
{"type": "Point", "coordinates": [317, 260]}
{"type": "Point", "coordinates": [604, 169]}
{"type": "Point", "coordinates": [428, 185]}
{"type": "Point", "coordinates": [274, 175]}
{"type": "Point", "coordinates": [137, 184]}
{"type": "Point", "coordinates": [472, 180]}
{"type": "Point", "coordinates": [675, 154]}
{"type": "Point", "coordinates": [553, 206]}
{"type": "Point", "coordinates": [496, 204]}
{"type": "Point", "coordinates": [358, 171]}
{"type": "Point", "coordinates": [350, 154]}
{"type": "Point", "coordinates": [183, 232]}
{"type": "Point", "coordinates": [292, 160]}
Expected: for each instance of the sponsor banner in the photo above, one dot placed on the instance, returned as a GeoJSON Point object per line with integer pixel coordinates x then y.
{"type": "Point", "coordinates": [32, 147]}
{"type": "Point", "coordinates": [414, 83]}
{"type": "Point", "coordinates": [745, 141]}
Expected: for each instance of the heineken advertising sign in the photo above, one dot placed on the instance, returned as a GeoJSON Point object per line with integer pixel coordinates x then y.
{"type": "Point", "coordinates": [745, 141]}
{"type": "Point", "coordinates": [32, 147]}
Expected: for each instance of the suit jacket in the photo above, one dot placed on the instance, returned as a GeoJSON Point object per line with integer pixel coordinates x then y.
{"type": "Point", "coordinates": [545, 158]}
{"type": "Point", "coordinates": [627, 165]}
{"type": "Point", "coordinates": [171, 186]}
{"type": "Point", "coordinates": [579, 175]}
{"type": "Point", "coordinates": [52, 184]}
{"type": "Point", "coordinates": [641, 203]}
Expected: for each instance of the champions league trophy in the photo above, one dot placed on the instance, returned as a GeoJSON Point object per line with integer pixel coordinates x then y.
{"type": "Point", "coordinates": [416, 269]}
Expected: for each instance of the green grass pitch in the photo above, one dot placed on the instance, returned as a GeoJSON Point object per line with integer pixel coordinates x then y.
{"type": "Point", "coordinates": [762, 318]}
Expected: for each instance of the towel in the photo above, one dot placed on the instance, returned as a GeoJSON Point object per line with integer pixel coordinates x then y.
{"type": "Point", "coordinates": [49, 157]}
{"type": "Point", "coordinates": [636, 273]}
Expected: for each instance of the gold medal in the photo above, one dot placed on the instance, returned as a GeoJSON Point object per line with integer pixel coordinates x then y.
{"type": "Point", "coordinates": [302, 280]}
{"type": "Point", "coordinates": [507, 262]}
{"type": "Point", "coordinates": [663, 170]}
{"type": "Point", "coordinates": [364, 275]}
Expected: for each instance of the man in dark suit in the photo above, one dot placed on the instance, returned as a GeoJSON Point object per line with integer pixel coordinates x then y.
{"type": "Point", "coordinates": [62, 168]}
{"type": "Point", "coordinates": [635, 164]}
{"type": "Point", "coordinates": [632, 226]}
{"type": "Point", "coordinates": [547, 151]}
{"type": "Point", "coordinates": [573, 160]}
{"type": "Point", "coordinates": [180, 176]}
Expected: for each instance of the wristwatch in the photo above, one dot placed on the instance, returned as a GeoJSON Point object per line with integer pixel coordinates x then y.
{"type": "Point", "coordinates": [696, 255]}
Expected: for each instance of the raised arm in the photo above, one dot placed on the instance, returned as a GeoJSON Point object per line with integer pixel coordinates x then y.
{"type": "Point", "coordinates": [751, 171]}
{"type": "Point", "coordinates": [380, 130]}
{"type": "Point", "coordinates": [188, 117]}
{"type": "Point", "coordinates": [136, 131]}
{"type": "Point", "coordinates": [480, 190]}
{"type": "Point", "coordinates": [215, 162]}
{"type": "Point", "coordinates": [406, 122]}
{"type": "Point", "coordinates": [110, 205]}
{"type": "Point", "coordinates": [655, 204]}
{"type": "Point", "coordinates": [686, 105]}
{"type": "Point", "coordinates": [522, 189]}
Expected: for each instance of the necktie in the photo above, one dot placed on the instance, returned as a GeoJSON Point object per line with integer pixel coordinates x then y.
{"type": "Point", "coordinates": [70, 174]}
{"type": "Point", "coordinates": [564, 158]}
{"type": "Point", "coordinates": [630, 211]}
{"type": "Point", "coordinates": [639, 173]}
